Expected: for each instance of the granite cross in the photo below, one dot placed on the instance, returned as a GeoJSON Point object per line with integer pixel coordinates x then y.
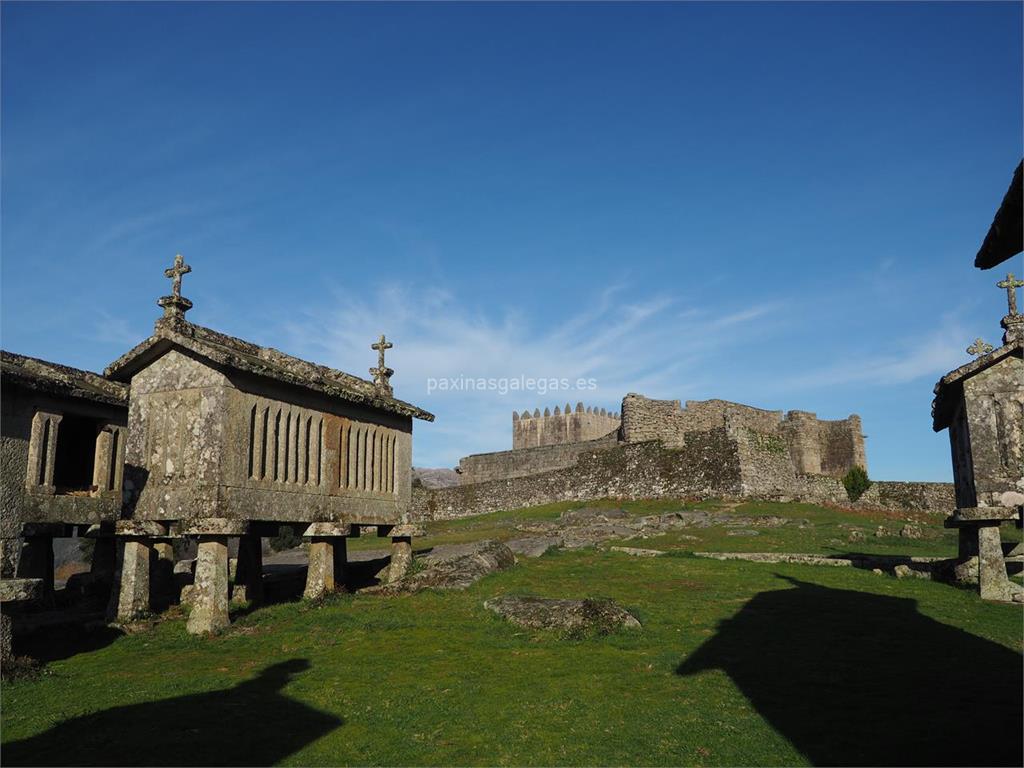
{"type": "Point", "coordinates": [174, 273]}
{"type": "Point", "coordinates": [380, 346]}
{"type": "Point", "coordinates": [979, 347]}
{"type": "Point", "coordinates": [1011, 285]}
{"type": "Point", "coordinates": [381, 373]}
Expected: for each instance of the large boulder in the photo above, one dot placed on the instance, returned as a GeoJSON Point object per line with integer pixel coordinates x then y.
{"type": "Point", "coordinates": [591, 515]}
{"type": "Point", "coordinates": [570, 616]}
{"type": "Point", "coordinates": [456, 566]}
{"type": "Point", "coordinates": [533, 546]}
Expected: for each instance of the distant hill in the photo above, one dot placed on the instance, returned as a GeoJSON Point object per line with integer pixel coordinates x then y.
{"type": "Point", "coordinates": [435, 478]}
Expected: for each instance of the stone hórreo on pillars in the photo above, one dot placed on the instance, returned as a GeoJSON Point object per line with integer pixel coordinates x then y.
{"type": "Point", "coordinates": [980, 404]}
{"type": "Point", "coordinates": [382, 374]}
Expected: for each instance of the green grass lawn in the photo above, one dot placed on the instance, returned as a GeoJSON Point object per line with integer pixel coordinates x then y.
{"type": "Point", "coordinates": [736, 664]}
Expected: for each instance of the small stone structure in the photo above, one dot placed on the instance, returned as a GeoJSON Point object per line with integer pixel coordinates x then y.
{"type": "Point", "coordinates": [62, 442]}
{"type": "Point", "coordinates": [981, 403]}
{"type": "Point", "coordinates": [229, 439]}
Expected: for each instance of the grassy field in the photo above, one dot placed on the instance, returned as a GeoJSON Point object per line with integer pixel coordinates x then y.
{"type": "Point", "coordinates": [736, 664]}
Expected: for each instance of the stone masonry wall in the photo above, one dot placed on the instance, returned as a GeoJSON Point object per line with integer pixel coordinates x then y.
{"type": "Point", "coordinates": [482, 467]}
{"type": "Point", "coordinates": [815, 446]}
{"type": "Point", "coordinates": [938, 498]}
{"type": "Point", "coordinates": [644, 419]}
{"type": "Point", "coordinates": [560, 428]}
{"type": "Point", "coordinates": [707, 465]}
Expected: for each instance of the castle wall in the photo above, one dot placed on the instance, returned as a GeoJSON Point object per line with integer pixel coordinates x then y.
{"type": "Point", "coordinates": [482, 467]}
{"type": "Point", "coordinates": [814, 446]}
{"type": "Point", "coordinates": [560, 428]}
{"type": "Point", "coordinates": [644, 419]}
{"type": "Point", "coordinates": [706, 466]}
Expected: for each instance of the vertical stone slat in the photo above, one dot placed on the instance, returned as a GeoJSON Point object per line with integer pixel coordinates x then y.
{"type": "Point", "coordinates": [343, 435]}
{"type": "Point", "coordinates": [256, 441]}
{"type": "Point", "coordinates": [263, 442]}
{"type": "Point", "coordinates": [278, 447]}
{"type": "Point", "coordinates": [51, 448]}
{"type": "Point", "coordinates": [297, 460]}
{"type": "Point", "coordinates": [252, 443]}
{"type": "Point", "coordinates": [320, 451]}
{"type": "Point", "coordinates": [101, 459]}
{"type": "Point", "coordinates": [305, 450]}
{"type": "Point", "coordinates": [377, 434]}
{"type": "Point", "coordinates": [353, 448]}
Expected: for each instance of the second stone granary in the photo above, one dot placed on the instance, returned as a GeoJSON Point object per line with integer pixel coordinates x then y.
{"type": "Point", "coordinates": [224, 438]}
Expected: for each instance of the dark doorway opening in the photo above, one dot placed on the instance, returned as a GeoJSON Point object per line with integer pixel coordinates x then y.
{"type": "Point", "coordinates": [76, 454]}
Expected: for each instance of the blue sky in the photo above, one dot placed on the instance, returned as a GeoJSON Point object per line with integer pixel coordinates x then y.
{"type": "Point", "coordinates": [774, 204]}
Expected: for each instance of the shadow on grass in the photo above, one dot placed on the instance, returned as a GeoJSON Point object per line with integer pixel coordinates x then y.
{"type": "Point", "coordinates": [65, 641]}
{"type": "Point", "coordinates": [852, 678]}
{"type": "Point", "coordinates": [252, 723]}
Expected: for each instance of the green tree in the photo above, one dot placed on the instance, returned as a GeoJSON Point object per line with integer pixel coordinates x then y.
{"type": "Point", "coordinates": [856, 481]}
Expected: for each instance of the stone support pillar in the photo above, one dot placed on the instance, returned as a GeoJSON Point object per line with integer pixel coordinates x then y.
{"type": "Point", "coordinates": [401, 558]}
{"type": "Point", "coordinates": [321, 578]}
{"type": "Point", "coordinates": [401, 550]}
{"type": "Point", "coordinates": [993, 583]}
{"type": "Point", "coordinates": [981, 560]}
{"type": "Point", "coordinates": [249, 572]}
{"type": "Point", "coordinates": [209, 612]}
{"type": "Point", "coordinates": [130, 597]}
{"type": "Point", "coordinates": [209, 595]}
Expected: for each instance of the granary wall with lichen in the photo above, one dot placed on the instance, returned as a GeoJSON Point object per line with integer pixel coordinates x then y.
{"type": "Point", "coordinates": [206, 444]}
{"type": "Point", "coordinates": [994, 402]}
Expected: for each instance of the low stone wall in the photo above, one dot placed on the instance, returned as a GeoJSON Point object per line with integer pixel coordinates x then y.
{"type": "Point", "coordinates": [503, 465]}
{"type": "Point", "coordinates": [938, 498]}
{"type": "Point", "coordinates": [707, 466]}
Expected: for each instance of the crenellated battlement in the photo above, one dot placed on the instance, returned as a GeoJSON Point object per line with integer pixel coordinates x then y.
{"type": "Point", "coordinates": [571, 425]}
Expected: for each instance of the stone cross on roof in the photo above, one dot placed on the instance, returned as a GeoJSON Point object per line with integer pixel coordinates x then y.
{"type": "Point", "coordinates": [175, 306]}
{"type": "Point", "coordinates": [979, 347]}
{"type": "Point", "coordinates": [174, 273]}
{"type": "Point", "coordinates": [381, 374]}
{"type": "Point", "coordinates": [1011, 285]}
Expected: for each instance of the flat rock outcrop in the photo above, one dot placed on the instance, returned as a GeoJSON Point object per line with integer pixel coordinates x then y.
{"type": "Point", "coordinates": [456, 566]}
{"type": "Point", "coordinates": [569, 616]}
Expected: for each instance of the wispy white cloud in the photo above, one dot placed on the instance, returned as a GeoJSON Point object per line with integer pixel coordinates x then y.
{"type": "Point", "coordinates": [649, 344]}
{"type": "Point", "coordinates": [114, 331]}
{"type": "Point", "coordinates": [907, 360]}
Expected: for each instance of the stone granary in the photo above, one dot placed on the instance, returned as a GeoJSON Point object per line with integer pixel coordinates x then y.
{"type": "Point", "coordinates": [62, 442]}
{"type": "Point", "coordinates": [981, 403]}
{"type": "Point", "coordinates": [226, 438]}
